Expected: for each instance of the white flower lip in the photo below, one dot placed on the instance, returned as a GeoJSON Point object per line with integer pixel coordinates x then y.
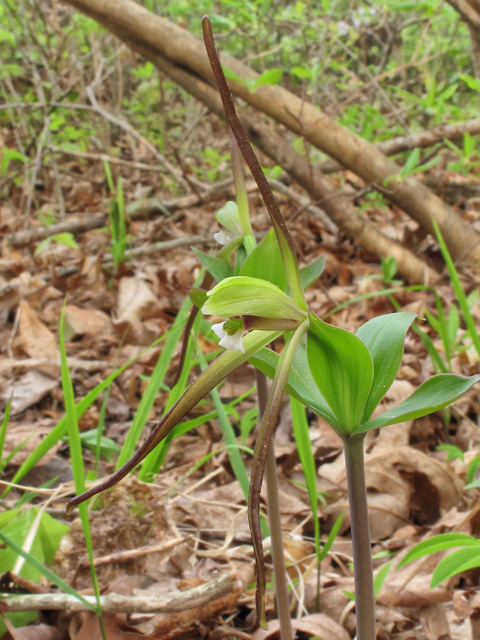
{"type": "Point", "coordinates": [223, 236]}
{"type": "Point", "coordinates": [230, 342]}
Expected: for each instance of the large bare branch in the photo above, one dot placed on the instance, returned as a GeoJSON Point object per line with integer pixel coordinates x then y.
{"type": "Point", "coordinates": [139, 28]}
{"type": "Point", "coordinates": [416, 140]}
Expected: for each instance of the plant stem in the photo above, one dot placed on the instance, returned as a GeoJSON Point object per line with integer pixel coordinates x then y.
{"type": "Point", "coordinates": [362, 552]}
{"type": "Point", "coordinates": [278, 556]}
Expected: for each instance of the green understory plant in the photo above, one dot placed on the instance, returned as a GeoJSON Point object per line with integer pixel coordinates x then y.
{"type": "Point", "coordinates": [467, 557]}
{"type": "Point", "coordinates": [340, 376]}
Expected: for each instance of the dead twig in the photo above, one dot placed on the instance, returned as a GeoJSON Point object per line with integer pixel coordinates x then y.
{"type": "Point", "coordinates": [132, 554]}
{"type": "Point", "coordinates": [115, 603]}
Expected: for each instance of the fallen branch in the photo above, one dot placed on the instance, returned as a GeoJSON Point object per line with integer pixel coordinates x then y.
{"type": "Point", "coordinates": [36, 234]}
{"type": "Point", "coordinates": [132, 554]}
{"type": "Point", "coordinates": [416, 140]}
{"type": "Point", "coordinates": [103, 157]}
{"type": "Point", "coordinates": [115, 603]}
{"type": "Point", "coordinates": [145, 31]}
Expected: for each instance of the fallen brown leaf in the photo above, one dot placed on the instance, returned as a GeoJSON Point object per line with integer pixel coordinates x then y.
{"type": "Point", "coordinates": [90, 629]}
{"type": "Point", "coordinates": [28, 390]}
{"type": "Point", "coordinates": [36, 338]}
{"type": "Point", "coordinates": [35, 632]}
{"type": "Point", "coordinates": [316, 624]}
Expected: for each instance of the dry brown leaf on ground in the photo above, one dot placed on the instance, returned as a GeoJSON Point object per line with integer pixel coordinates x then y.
{"type": "Point", "coordinates": [316, 624]}
{"type": "Point", "coordinates": [466, 606]}
{"type": "Point", "coordinates": [31, 435]}
{"type": "Point", "coordinates": [90, 322]}
{"type": "Point", "coordinates": [36, 632]}
{"type": "Point", "coordinates": [410, 586]}
{"type": "Point", "coordinates": [400, 481]}
{"type": "Point", "coordinates": [135, 299]}
{"type": "Point", "coordinates": [434, 622]}
{"type": "Point", "coordinates": [90, 628]}
{"type": "Point", "coordinates": [36, 338]}
{"type": "Point", "coordinates": [28, 390]}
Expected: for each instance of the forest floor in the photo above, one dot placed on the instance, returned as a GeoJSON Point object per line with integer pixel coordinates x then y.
{"type": "Point", "coordinates": [190, 525]}
{"type": "Point", "coordinates": [182, 540]}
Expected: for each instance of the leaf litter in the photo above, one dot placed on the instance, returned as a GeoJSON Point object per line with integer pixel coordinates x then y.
{"type": "Point", "coordinates": [410, 486]}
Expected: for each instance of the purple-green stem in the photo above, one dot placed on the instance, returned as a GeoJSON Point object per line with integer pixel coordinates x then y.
{"type": "Point", "coordinates": [362, 551]}
{"type": "Point", "coordinates": [273, 503]}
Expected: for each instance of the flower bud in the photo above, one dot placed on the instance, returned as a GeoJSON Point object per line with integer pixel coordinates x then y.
{"type": "Point", "coordinates": [246, 296]}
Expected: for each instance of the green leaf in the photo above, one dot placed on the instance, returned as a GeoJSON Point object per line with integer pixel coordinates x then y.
{"type": "Point", "coordinates": [245, 296]}
{"type": "Point", "coordinates": [433, 394]}
{"type": "Point", "coordinates": [457, 562]}
{"type": "Point", "coordinates": [454, 453]}
{"type": "Point", "coordinates": [389, 268]}
{"type": "Point", "coordinates": [66, 238]}
{"type": "Point", "coordinates": [197, 296]}
{"type": "Point", "coordinates": [384, 337]}
{"type": "Point", "coordinates": [379, 579]}
{"type": "Point", "coordinates": [472, 469]}
{"type": "Point", "coordinates": [218, 268]}
{"type": "Point", "coordinates": [342, 368]}
{"type": "Point", "coordinates": [410, 164]}
{"type": "Point", "coordinates": [472, 485]}
{"type": "Point", "coordinates": [457, 287]}
{"type": "Point", "coordinates": [265, 262]}
{"type": "Point", "coordinates": [300, 383]}
{"type": "Point", "coordinates": [438, 543]}
{"type": "Point", "coordinates": [301, 72]}
{"type": "Point", "coordinates": [310, 273]}
{"type": "Point", "coordinates": [472, 83]}
{"type": "Point", "coordinates": [271, 76]}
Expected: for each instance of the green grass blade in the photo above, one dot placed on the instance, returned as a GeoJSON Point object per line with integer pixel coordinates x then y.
{"type": "Point", "coordinates": [3, 427]}
{"type": "Point", "coordinates": [458, 289]}
{"type": "Point", "coordinates": [305, 453]}
{"type": "Point", "coordinates": [154, 460]}
{"type": "Point", "coordinates": [228, 435]}
{"type": "Point", "coordinates": [331, 537]}
{"type": "Point", "coordinates": [154, 384]}
{"type": "Point", "coordinates": [77, 459]}
{"type": "Point", "coordinates": [380, 578]}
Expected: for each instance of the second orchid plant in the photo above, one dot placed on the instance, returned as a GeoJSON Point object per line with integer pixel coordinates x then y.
{"type": "Point", "coordinates": [340, 376]}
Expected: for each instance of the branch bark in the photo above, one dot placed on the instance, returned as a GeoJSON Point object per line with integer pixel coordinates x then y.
{"type": "Point", "coordinates": [140, 28]}
{"type": "Point", "coordinates": [416, 140]}
{"type": "Point", "coordinates": [115, 603]}
{"type": "Point", "coordinates": [469, 11]}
